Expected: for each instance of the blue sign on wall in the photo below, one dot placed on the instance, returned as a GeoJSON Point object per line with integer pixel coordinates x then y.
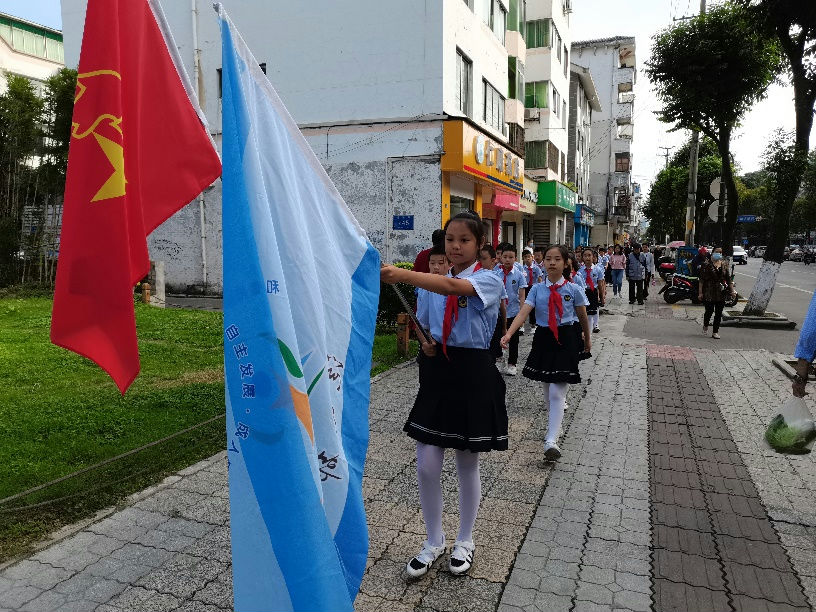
{"type": "Point", "coordinates": [746, 218]}
{"type": "Point", "coordinates": [403, 222]}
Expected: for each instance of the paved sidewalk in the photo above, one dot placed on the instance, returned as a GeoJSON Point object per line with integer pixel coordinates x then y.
{"type": "Point", "coordinates": [665, 499]}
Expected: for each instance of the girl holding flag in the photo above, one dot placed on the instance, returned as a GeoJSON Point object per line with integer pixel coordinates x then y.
{"type": "Point", "coordinates": [460, 403]}
{"type": "Point", "coordinates": [557, 343]}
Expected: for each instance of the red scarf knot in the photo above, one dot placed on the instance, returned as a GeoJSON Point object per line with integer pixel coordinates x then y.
{"type": "Point", "coordinates": [555, 305]}
{"type": "Point", "coordinates": [452, 314]}
{"type": "Point", "coordinates": [590, 284]}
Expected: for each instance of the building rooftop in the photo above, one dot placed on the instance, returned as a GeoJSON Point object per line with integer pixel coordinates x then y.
{"type": "Point", "coordinates": [585, 77]}
{"type": "Point", "coordinates": [611, 41]}
{"type": "Point", "coordinates": [12, 18]}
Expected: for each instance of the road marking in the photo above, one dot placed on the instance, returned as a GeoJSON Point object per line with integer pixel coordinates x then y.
{"type": "Point", "coordinates": [779, 284]}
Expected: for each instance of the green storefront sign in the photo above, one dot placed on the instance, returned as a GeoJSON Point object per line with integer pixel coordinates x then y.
{"type": "Point", "coordinates": [556, 193]}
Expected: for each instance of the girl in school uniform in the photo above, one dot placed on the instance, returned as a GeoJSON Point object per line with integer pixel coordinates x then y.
{"type": "Point", "coordinates": [557, 343]}
{"type": "Point", "coordinates": [460, 404]}
{"type": "Point", "coordinates": [591, 275]}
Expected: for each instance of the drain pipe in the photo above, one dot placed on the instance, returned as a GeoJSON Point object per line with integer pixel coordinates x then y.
{"type": "Point", "coordinates": [197, 81]}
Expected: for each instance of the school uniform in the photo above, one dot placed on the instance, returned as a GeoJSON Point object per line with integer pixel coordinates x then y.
{"type": "Point", "coordinates": [552, 359]}
{"type": "Point", "coordinates": [590, 288]}
{"type": "Point", "coordinates": [495, 341]}
{"type": "Point", "coordinates": [514, 280]}
{"type": "Point", "coordinates": [460, 403]}
{"type": "Point", "coordinates": [532, 273]}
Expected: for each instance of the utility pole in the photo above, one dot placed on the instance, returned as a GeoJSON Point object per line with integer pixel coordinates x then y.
{"type": "Point", "coordinates": [692, 184]}
{"type": "Point", "coordinates": [666, 150]}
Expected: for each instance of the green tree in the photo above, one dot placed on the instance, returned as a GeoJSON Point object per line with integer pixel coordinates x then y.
{"type": "Point", "coordinates": [708, 72]}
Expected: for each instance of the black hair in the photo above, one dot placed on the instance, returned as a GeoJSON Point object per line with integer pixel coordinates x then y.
{"type": "Point", "coordinates": [539, 249]}
{"type": "Point", "coordinates": [564, 255]}
{"type": "Point", "coordinates": [586, 248]}
{"type": "Point", "coordinates": [510, 247]}
{"type": "Point", "coordinates": [616, 247]}
{"type": "Point", "coordinates": [490, 250]}
{"type": "Point", "coordinates": [502, 246]}
{"type": "Point", "coordinates": [572, 266]}
{"type": "Point", "coordinates": [438, 249]}
{"type": "Point", "coordinates": [473, 222]}
{"type": "Point", "coordinates": [438, 237]}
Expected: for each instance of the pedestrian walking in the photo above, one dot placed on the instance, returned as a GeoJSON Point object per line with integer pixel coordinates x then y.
{"type": "Point", "coordinates": [635, 274]}
{"type": "Point", "coordinates": [805, 351]}
{"type": "Point", "coordinates": [488, 260]}
{"type": "Point", "coordinates": [715, 287]}
{"type": "Point", "coordinates": [557, 345]}
{"type": "Point", "coordinates": [617, 264]}
{"type": "Point", "coordinates": [650, 269]}
{"type": "Point", "coordinates": [460, 403]}
{"type": "Point", "coordinates": [591, 276]}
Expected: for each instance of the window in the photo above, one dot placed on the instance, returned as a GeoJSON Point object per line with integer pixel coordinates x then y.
{"type": "Point", "coordinates": [515, 84]}
{"type": "Point", "coordinates": [552, 157]}
{"type": "Point", "coordinates": [563, 112]}
{"type": "Point", "coordinates": [538, 33]}
{"type": "Point", "coordinates": [555, 40]}
{"type": "Point", "coordinates": [464, 76]}
{"type": "Point", "coordinates": [621, 162]}
{"type": "Point", "coordinates": [517, 17]}
{"type": "Point", "coordinates": [536, 94]}
{"type": "Point", "coordinates": [31, 40]}
{"type": "Point", "coordinates": [498, 19]}
{"type": "Point", "coordinates": [563, 168]}
{"type": "Point", "coordinates": [535, 154]}
{"type": "Point", "coordinates": [459, 204]}
{"type": "Point", "coordinates": [566, 60]}
{"type": "Point", "coordinates": [493, 107]}
{"type": "Point", "coordinates": [556, 102]}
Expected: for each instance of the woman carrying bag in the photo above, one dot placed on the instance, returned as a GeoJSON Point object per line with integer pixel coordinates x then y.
{"type": "Point", "coordinates": [715, 286]}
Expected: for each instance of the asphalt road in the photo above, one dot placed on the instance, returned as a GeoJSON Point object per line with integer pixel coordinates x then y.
{"type": "Point", "coordinates": [794, 287]}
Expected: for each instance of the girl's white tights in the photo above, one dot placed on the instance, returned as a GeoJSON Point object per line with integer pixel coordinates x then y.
{"type": "Point", "coordinates": [557, 398]}
{"type": "Point", "coordinates": [593, 321]}
{"type": "Point", "coordinates": [429, 475]}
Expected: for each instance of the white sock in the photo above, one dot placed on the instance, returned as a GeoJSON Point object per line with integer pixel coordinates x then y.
{"type": "Point", "coordinates": [593, 321]}
{"type": "Point", "coordinates": [429, 476]}
{"type": "Point", "coordinates": [557, 397]}
{"type": "Point", "coordinates": [470, 492]}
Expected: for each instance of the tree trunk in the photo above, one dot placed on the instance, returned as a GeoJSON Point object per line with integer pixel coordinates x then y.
{"type": "Point", "coordinates": [804, 98]}
{"type": "Point", "coordinates": [732, 197]}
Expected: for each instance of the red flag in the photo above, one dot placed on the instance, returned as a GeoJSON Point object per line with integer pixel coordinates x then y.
{"type": "Point", "coordinates": [139, 152]}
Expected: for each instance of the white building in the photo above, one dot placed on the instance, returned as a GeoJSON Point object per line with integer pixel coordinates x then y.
{"type": "Point", "coordinates": [583, 101]}
{"type": "Point", "coordinates": [28, 49]}
{"type": "Point", "coordinates": [405, 103]}
{"type": "Point", "coordinates": [612, 64]}
{"type": "Point", "coordinates": [547, 77]}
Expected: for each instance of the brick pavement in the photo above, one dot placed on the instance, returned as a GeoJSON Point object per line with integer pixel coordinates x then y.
{"type": "Point", "coordinates": [633, 517]}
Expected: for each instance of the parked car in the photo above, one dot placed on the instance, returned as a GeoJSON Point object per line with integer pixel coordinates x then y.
{"type": "Point", "coordinates": [739, 256]}
{"type": "Point", "coordinates": [797, 254]}
{"type": "Point", "coordinates": [786, 254]}
{"type": "Point", "coordinates": [760, 251]}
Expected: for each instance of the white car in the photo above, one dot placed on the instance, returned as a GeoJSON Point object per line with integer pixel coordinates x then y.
{"type": "Point", "coordinates": [740, 256]}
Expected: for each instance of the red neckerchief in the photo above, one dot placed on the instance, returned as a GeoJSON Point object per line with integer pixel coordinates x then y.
{"type": "Point", "coordinates": [590, 284]}
{"type": "Point", "coordinates": [452, 314]}
{"type": "Point", "coordinates": [530, 276]}
{"type": "Point", "coordinates": [505, 272]}
{"type": "Point", "coordinates": [556, 303]}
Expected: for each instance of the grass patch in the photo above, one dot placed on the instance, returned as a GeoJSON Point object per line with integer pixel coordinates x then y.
{"type": "Point", "coordinates": [60, 413]}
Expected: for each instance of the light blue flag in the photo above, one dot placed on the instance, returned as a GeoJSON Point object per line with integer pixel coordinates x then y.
{"type": "Point", "coordinates": [297, 355]}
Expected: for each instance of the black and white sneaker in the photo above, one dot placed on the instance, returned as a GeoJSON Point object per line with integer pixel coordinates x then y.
{"type": "Point", "coordinates": [461, 558]}
{"type": "Point", "coordinates": [597, 330]}
{"type": "Point", "coordinates": [419, 565]}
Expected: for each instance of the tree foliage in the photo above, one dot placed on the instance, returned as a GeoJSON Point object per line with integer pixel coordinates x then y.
{"type": "Point", "coordinates": [34, 138]}
{"type": "Point", "coordinates": [708, 72]}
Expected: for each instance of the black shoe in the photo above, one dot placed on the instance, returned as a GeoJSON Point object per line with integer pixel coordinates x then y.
{"type": "Point", "coordinates": [632, 302]}
{"type": "Point", "coordinates": [640, 303]}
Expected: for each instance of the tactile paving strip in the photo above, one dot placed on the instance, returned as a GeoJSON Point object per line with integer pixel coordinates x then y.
{"type": "Point", "coordinates": [714, 547]}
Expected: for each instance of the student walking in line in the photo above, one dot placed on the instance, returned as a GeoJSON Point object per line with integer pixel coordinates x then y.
{"type": "Point", "coordinates": [515, 284]}
{"type": "Point", "coordinates": [590, 277]}
{"type": "Point", "coordinates": [487, 259]}
{"type": "Point", "coordinates": [715, 287]}
{"type": "Point", "coordinates": [460, 404]}
{"type": "Point", "coordinates": [617, 263]}
{"type": "Point", "coordinates": [534, 275]}
{"type": "Point", "coordinates": [557, 345]}
{"type": "Point", "coordinates": [635, 274]}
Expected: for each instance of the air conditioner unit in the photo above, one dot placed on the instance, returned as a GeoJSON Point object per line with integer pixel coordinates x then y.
{"type": "Point", "coordinates": [532, 113]}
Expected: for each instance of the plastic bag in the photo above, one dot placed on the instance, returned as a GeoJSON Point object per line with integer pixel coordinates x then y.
{"type": "Point", "coordinates": [792, 431]}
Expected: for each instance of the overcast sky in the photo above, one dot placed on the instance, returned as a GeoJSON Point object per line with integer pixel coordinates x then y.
{"type": "Point", "coordinates": [598, 19]}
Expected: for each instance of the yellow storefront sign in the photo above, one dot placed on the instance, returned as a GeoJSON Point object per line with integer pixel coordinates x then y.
{"type": "Point", "coordinates": [470, 151]}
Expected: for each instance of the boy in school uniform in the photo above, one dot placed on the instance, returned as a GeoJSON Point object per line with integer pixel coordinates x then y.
{"type": "Point", "coordinates": [488, 261]}
{"type": "Point", "coordinates": [533, 274]}
{"type": "Point", "coordinates": [514, 284]}
{"type": "Point", "coordinates": [538, 257]}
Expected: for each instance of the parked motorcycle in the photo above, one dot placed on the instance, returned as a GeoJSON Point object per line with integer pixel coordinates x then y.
{"type": "Point", "coordinates": [681, 287]}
